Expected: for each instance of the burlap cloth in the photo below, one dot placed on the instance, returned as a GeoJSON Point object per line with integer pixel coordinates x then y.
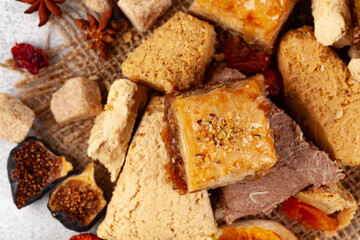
{"type": "Point", "coordinates": [72, 59]}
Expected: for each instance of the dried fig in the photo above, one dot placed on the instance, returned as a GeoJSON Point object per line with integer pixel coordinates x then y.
{"type": "Point", "coordinates": [33, 169]}
{"type": "Point", "coordinates": [78, 201]}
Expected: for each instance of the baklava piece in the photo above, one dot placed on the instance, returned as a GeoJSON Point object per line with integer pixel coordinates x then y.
{"type": "Point", "coordinates": [143, 13]}
{"type": "Point", "coordinates": [220, 134]}
{"type": "Point", "coordinates": [258, 21]}
{"type": "Point", "coordinates": [110, 136]}
{"type": "Point", "coordinates": [16, 118]}
{"type": "Point", "coordinates": [175, 56]}
{"type": "Point", "coordinates": [79, 98]}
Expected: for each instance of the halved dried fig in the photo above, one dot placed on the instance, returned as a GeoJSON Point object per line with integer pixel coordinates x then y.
{"type": "Point", "coordinates": [33, 169]}
{"type": "Point", "coordinates": [78, 201]}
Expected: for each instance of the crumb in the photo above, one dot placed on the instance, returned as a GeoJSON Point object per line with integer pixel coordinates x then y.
{"type": "Point", "coordinates": [127, 36]}
{"type": "Point", "coordinates": [107, 85]}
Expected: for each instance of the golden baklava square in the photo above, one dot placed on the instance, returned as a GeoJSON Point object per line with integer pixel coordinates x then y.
{"type": "Point", "coordinates": [223, 134]}
{"type": "Point", "coordinates": [258, 21]}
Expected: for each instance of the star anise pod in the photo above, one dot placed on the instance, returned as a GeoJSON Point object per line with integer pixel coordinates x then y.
{"type": "Point", "coordinates": [45, 8]}
{"type": "Point", "coordinates": [100, 35]}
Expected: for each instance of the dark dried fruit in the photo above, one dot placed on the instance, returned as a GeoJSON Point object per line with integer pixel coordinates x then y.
{"type": "Point", "coordinates": [33, 169]}
{"type": "Point", "coordinates": [86, 236]}
{"type": "Point", "coordinates": [78, 202]}
{"type": "Point", "coordinates": [30, 58]}
{"type": "Point", "coordinates": [273, 80]}
{"type": "Point", "coordinates": [243, 58]}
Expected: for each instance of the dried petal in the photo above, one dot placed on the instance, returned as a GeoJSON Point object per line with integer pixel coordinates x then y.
{"type": "Point", "coordinates": [52, 7]}
{"type": "Point", "coordinates": [30, 58]}
{"type": "Point", "coordinates": [105, 19]}
{"type": "Point", "coordinates": [44, 14]}
{"type": "Point", "coordinates": [33, 7]}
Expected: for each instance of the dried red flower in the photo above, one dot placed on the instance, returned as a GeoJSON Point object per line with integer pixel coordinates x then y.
{"type": "Point", "coordinates": [243, 58]}
{"type": "Point", "coordinates": [30, 58]}
{"type": "Point", "coordinates": [86, 236]}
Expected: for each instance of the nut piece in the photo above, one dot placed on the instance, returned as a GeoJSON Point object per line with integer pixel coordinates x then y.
{"type": "Point", "coordinates": [354, 68]}
{"type": "Point", "coordinates": [143, 13]}
{"type": "Point", "coordinates": [16, 119]}
{"type": "Point", "coordinates": [99, 6]}
{"type": "Point", "coordinates": [332, 21]}
{"type": "Point", "coordinates": [79, 98]}
{"type": "Point", "coordinates": [110, 136]}
{"type": "Point", "coordinates": [354, 64]}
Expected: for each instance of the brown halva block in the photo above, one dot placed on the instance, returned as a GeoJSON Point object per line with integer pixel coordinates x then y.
{"type": "Point", "coordinates": [16, 118]}
{"type": "Point", "coordinates": [79, 98]}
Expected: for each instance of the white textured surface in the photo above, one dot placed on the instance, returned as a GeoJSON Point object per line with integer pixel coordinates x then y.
{"type": "Point", "coordinates": [33, 221]}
